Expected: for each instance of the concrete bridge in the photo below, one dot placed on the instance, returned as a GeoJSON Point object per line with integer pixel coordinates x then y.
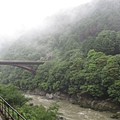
{"type": "Point", "coordinates": [22, 64]}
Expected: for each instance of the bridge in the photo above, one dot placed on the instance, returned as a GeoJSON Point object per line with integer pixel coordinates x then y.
{"type": "Point", "coordinates": [22, 64]}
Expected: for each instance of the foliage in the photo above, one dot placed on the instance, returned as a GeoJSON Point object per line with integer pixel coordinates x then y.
{"type": "Point", "coordinates": [15, 98]}
{"type": "Point", "coordinates": [114, 91]}
{"type": "Point", "coordinates": [81, 54]}
{"type": "Point", "coordinates": [107, 41]}
{"type": "Point", "coordinates": [93, 90]}
{"type": "Point", "coordinates": [11, 94]}
{"type": "Point", "coordinates": [39, 112]}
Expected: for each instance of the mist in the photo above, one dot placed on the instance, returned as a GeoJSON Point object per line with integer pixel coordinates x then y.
{"type": "Point", "coordinates": [17, 16]}
{"type": "Point", "coordinates": [79, 42]}
{"type": "Point", "coordinates": [34, 22]}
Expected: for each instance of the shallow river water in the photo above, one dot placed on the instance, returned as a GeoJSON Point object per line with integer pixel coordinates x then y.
{"type": "Point", "coordinates": [71, 111]}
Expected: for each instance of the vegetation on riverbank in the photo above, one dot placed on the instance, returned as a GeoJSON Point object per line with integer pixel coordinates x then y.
{"type": "Point", "coordinates": [15, 98]}
{"type": "Point", "coordinates": [82, 55]}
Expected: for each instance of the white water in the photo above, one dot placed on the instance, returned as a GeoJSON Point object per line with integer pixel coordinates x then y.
{"type": "Point", "coordinates": [70, 111]}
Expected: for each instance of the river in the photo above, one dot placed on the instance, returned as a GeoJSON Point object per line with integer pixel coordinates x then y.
{"type": "Point", "coordinates": [71, 111]}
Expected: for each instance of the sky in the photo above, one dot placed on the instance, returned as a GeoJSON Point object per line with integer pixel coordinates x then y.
{"type": "Point", "coordinates": [17, 15]}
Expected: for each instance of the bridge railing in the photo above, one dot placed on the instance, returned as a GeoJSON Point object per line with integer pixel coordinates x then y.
{"type": "Point", "coordinates": [9, 112]}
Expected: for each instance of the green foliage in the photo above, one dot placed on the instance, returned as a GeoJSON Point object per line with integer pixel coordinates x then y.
{"type": "Point", "coordinates": [39, 112]}
{"type": "Point", "coordinates": [107, 42]}
{"type": "Point", "coordinates": [80, 57]}
{"type": "Point", "coordinates": [114, 91]}
{"type": "Point", "coordinates": [57, 77]}
{"type": "Point", "coordinates": [15, 98]}
{"type": "Point", "coordinates": [87, 45]}
{"type": "Point", "coordinates": [111, 71]}
{"type": "Point", "coordinates": [43, 86]}
{"type": "Point", "coordinates": [93, 90]}
{"type": "Point", "coordinates": [11, 94]}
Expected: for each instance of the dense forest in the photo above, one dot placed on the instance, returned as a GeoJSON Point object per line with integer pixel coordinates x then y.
{"type": "Point", "coordinates": [81, 50]}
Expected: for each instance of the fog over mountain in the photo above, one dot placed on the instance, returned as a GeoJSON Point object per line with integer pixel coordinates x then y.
{"type": "Point", "coordinates": [19, 17]}
{"type": "Point", "coordinates": [81, 49]}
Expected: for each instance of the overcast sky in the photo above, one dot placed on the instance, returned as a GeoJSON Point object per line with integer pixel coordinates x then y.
{"type": "Point", "coordinates": [16, 15]}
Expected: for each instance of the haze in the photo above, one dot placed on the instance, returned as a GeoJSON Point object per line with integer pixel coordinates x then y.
{"type": "Point", "coordinates": [17, 16]}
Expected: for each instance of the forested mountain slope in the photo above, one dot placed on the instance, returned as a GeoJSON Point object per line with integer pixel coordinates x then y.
{"type": "Point", "coordinates": [65, 45]}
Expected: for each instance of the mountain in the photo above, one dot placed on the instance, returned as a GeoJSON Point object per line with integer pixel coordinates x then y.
{"type": "Point", "coordinates": [81, 50]}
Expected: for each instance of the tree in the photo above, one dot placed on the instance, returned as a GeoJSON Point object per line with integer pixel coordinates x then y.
{"type": "Point", "coordinates": [39, 112]}
{"type": "Point", "coordinates": [107, 42]}
{"type": "Point", "coordinates": [92, 74]}
{"type": "Point", "coordinates": [114, 91]}
{"type": "Point", "coordinates": [111, 71]}
{"type": "Point", "coordinates": [11, 94]}
{"type": "Point", "coordinates": [87, 45]}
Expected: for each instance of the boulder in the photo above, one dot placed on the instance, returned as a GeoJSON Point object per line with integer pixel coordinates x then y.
{"type": "Point", "coordinates": [49, 96]}
{"type": "Point", "coordinates": [57, 95]}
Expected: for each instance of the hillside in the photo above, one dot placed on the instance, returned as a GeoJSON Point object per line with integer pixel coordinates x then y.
{"type": "Point", "coordinates": [81, 50]}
